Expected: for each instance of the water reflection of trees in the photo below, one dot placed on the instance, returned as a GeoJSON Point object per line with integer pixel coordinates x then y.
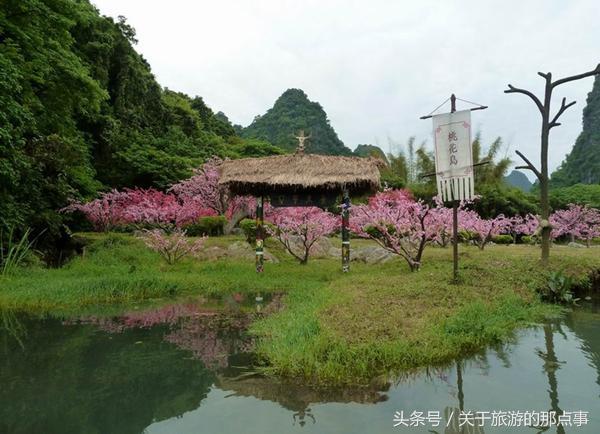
{"type": "Point", "coordinates": [585, 324]}
{"type": "Point", "coordinates": [76, 380]}
{"type": "Point", "coordinates": [297, 397]}
{"type": "Point", "coordinates": [210, 335]}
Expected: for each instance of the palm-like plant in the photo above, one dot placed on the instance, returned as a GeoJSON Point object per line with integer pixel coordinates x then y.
{"type": "Point", "coordinates": [494, 171]}
{"type": "Point", "coordinates": [13, 252]}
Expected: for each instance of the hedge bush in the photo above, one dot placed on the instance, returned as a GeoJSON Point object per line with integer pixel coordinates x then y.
{"type": "Point", "coordinates": [248, 226]}
{"type": "Point", "coordinates": [211, 225]}
{"type": "Point", "coordinates": [528, 239]}
{"type": "Point", "coordinates": [503, 239]}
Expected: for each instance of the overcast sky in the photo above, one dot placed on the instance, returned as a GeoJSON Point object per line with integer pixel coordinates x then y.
{"type": "Point", "coordinates": [375, 66]}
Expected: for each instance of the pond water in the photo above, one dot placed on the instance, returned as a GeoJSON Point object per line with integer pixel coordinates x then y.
{"type": "Point", "coordinates": [184, 369]}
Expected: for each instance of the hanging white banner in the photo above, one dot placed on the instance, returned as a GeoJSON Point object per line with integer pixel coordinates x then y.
{"type": "Point", "coordinates": [453, 155]}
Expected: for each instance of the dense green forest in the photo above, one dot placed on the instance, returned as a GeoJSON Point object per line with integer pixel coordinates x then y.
{"type": "Point", "coordinates": [582, 165]}
{"type": "Point", "coordinates": [291, 112]}
{"type": "Point", "coordinates": [80, 111]}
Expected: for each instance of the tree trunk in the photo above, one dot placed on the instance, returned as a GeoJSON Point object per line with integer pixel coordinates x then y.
{"type": "Point", "coordinates": [235, 219]}
{"type": "Point", "coordinates": [545, 205]}
{"type": "Point", "coordinates": [414, 266]}
{"type": "Point", "coordinates": [544, 201]}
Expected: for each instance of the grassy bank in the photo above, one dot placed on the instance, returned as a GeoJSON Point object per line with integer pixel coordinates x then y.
{"type": "Point", "coordinates": [335, 327]}
{"type": "Point", "coordinates": [119, 269]}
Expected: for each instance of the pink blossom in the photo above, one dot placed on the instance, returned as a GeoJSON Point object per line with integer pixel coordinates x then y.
{"type": "Point", "coordinates": [306, 224]}
{"type": "Point", "coordinates": [172, 247]}
{"type": "Point", "coordinates": [485, 229]}
{"type": "Point", "coordinates": [395, 221]}
{"type": "Point", "coordinates": [190, 210]}
{"type": "Point", "coordinates": [527, 225]}
{"type": "Point", "coordinates": [146, 207]}
{"type": "Point", "coordinates": [105, 212]}
{"type": "Point", "coordinates": [190, 327]}
{"type": "Point", "coordinates": [439, 221]}
{"type": "Point", "coordinates": [577, 221]}
{"type": "Point", "coordinates": [204, 187]}
{"type": "Point", "coordinates": [244, 206]}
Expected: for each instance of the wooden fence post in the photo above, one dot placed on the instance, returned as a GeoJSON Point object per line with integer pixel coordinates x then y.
{"type": "Point", "coordinates": [259, 235]}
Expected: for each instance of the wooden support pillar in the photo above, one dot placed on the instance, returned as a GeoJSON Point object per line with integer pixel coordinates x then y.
{"type": "Point", "coordinates": [259, 235]}
{"type": "Point", "coordinates": [345, 232]}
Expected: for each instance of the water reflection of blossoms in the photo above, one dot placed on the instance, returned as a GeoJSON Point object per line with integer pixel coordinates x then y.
{"type": "Point", "coordinates": [213, 339]}
{"type": "Point", "coordinates": [211, 335]}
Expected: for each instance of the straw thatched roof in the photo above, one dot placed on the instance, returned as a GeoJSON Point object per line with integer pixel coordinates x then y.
{"type": "Point", "coordinates": [300, 172]}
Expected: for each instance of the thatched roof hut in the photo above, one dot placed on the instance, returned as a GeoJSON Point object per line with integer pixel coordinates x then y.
{"type": "Point", "coordinates": [300, 172]}
{"type": "Point", "coordinates": [296, 396]}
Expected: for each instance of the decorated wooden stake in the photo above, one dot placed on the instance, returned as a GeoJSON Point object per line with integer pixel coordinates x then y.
{"type": "Point", "coordinates": [259, 235]}
{"type": "Point", "coordinates": [345, 232]}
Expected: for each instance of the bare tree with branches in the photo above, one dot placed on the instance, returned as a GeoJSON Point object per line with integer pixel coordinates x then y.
{"type": "Point", "coordinates": [548, 122]}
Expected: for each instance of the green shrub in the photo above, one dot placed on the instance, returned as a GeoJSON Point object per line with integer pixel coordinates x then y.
{"type": "Point", "coordinates": [529, 239]}
{"type": "Point", "coordinates": [211, 226]}
{"type": "Point", "coordinates": [559, 289]}
{"type": "Point", "coordinates": [376, 233]}
{"type": "Point", "coordinates": [466, 236]}
{"type": "Point", "coordinates": [248, 226]}
{"type": "Point", "coordinates": [502, 239]}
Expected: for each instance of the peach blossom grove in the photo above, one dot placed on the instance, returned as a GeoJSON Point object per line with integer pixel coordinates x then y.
{"type": "Point", "coordinates": [298, 229]}
{"type": "Point", "coordinates": [392, 218]}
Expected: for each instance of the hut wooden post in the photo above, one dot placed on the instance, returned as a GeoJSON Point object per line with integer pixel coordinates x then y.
{"type": "Point", "coordinates": [259, 235]}
{"type": "Point", "coordinates": [345, 232]}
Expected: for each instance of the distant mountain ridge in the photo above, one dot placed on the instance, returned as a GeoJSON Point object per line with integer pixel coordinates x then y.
{"type": "Point", "coordinates": [370, 151]}
{"type": "Point", "coordinates": [519, 180]}
{"type": "Point", "coordinates": [293, 111]}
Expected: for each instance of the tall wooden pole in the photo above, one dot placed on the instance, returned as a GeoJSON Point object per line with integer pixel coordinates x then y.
{"type": "Point", "coordinates": [345, 232]}
{"type": "Point", "coordinates": [453, 193]}
{"type": "Point", "coordinates": [259, 235]}
{"type": "Point", "coordinates": [454, 213]}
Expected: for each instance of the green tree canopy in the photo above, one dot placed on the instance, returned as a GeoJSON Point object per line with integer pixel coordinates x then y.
{"type": "Point", "coordinates": [582, 164]}
{"type": "Point", "coordinates": [81, 111]}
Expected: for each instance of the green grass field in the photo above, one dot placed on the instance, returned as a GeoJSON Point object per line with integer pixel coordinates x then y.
{"type": "Point", "coordinates": [334, 327]}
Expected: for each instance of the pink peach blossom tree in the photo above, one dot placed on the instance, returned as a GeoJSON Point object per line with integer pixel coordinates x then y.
{"type": "Point", "coordinates": [140, 207]}
{"type": "Point", "coordinates": [299, 228]}
{"type": "Point", "coordinates": [439, 222]}
{"type": "Point", "coordinates": [203, 188]}
{"type": "Point", "coordinates": [396, 222]}
{"type": "Point", "coordinates": [577, 222]}
{"type": "Point", "coordinates": [172, 247]}
{"type": "Point", "coordinates": [104, 213]}
{"type": "Point", "coordinates": [484, 229]}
